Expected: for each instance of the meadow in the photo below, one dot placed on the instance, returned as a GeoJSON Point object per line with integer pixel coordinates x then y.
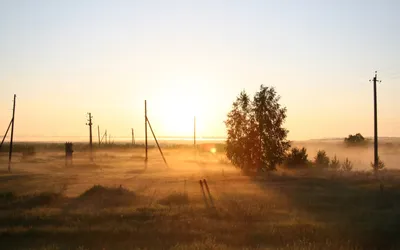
{"type": "Point", "coordinates": [116, 202]}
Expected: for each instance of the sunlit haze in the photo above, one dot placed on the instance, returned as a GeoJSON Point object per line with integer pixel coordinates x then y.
{"type": "Point", "coordinates": [192, 58]}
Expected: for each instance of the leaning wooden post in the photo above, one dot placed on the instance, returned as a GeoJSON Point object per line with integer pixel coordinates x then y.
{"type": "Point", "coordinates": [158, 145]}
{"type": "Point", "coordinates": [5, 135]}
{"type": "Point", "coordinates": [204, 194]}
{"type": "Point", "coordinates": [208, 191]}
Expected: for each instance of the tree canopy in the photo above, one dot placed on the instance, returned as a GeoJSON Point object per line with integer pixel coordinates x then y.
{"type": "Point", "coordinates": [256, 136]}
{"type": "Point", "coordinates": [356, 139]}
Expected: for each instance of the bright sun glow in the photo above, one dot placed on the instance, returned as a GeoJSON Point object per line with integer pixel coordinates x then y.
{"type": "Point", "coordinates": [213, 150]}
{"type": "Point", "coordinates": [178, 104]}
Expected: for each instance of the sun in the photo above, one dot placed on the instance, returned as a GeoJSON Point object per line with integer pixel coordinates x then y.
{"type": "Point", "coordinates": [179, 119]}
{"type": "Point", "coordinates": [178, 104]}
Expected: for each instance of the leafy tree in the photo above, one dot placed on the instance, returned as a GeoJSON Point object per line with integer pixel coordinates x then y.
{"type": "Point", "coordinates": [297, 157]}
{"type": "Point", "coordinates": [335, 163]}
{"type": "Point", "coordinates": [256, 139]}
{"type": "Point", "coordinates": [243, 136]}
{"type": "Point", "coordinates": [347, 165]}
{"type": "Point", "coordinates": [354, 140]}
{"type": "Point", "coordinates": [270, 117]}
{"type": "Point", "coordinates": [322, 160]}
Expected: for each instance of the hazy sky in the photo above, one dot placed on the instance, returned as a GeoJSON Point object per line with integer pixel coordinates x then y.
{"type": "Point", "coordinates": [66, 58]}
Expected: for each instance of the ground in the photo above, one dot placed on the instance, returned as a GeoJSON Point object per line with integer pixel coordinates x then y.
{"type": "Point", "coordinates": [115, 202]}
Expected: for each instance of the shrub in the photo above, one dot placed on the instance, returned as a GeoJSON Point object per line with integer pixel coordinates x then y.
{"type": "Point", "coordinates": [297, 157]}
{"type": "Point", "coordinates": [6, 196]}
{"type": "Point", "coordinates": [335, 163]}
{"type": "Point", "coordinates": [381, 165]}
{"type": "Point", "coordinates": [322, 160]}
{"type": "Point", "coordinates": [347, 165]}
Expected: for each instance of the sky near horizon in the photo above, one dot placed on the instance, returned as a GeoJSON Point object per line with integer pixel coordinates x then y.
{"type": "Point", "coordinates": [192, 58]}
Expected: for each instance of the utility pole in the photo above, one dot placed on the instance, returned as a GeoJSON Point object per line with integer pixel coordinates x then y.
{"type": "Point", "coordinates": [98, 133]}
{"type": "Point", "coordinates": [133, 137]}
{"type": "Point", "coordinates": [145, 128]}
{"type": "Point", "coordinates": [90, 134]}
{"type": "Point", "coordinates": [12, 136]}
{"type": "Point", "coordinates": [376, 157]}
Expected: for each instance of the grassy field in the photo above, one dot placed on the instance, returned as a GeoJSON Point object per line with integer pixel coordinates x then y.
{"type": "Point", "coordinates": [115, 202]}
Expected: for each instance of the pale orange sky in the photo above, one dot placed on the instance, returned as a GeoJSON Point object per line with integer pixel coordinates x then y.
{"type": "Point", "coordinates": [66, 59]}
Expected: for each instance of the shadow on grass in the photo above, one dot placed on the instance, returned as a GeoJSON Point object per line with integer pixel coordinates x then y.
{"type": "Point", "coordinates": [95, 197]}
{"type": "Point", "coordinates": [9, 200]}
{"type": "Point", "coordinates": [7, 177]}
{"type": "Point", "coordinates": [361, 209]}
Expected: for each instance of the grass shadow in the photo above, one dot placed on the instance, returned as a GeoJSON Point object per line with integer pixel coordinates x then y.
{"type": "Point", "coordinates": [353, 203]}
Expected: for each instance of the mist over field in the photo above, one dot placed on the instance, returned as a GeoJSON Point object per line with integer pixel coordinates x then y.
{"type": "Point", "coordinates": [116, 202]}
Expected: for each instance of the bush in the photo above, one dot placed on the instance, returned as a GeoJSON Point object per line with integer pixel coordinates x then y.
{"type": "Point", "coordinates": [297, 158]}
{"type": "Point", "coordinates": [347, 165]}
{"type": "Point", "coordinates": [335, 163]}
{"type": "Point", "coordinates": [322, 160]}
{"type": "Point", "coordinates": [381, 165]}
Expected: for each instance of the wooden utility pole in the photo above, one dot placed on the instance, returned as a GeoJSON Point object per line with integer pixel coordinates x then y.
{"type": "Point", "coordinates": [133, 137]}
{"type": "Point", "coordinates": [12, 135]}
{"type": "Point", "coordinates": [98, 133]}
{"type": "Point", "coordinates": [376, 156]}
{"type": "Point", "coordinates": [90, 134]}
{"type": "Point", "coordinates": [145, 128]}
